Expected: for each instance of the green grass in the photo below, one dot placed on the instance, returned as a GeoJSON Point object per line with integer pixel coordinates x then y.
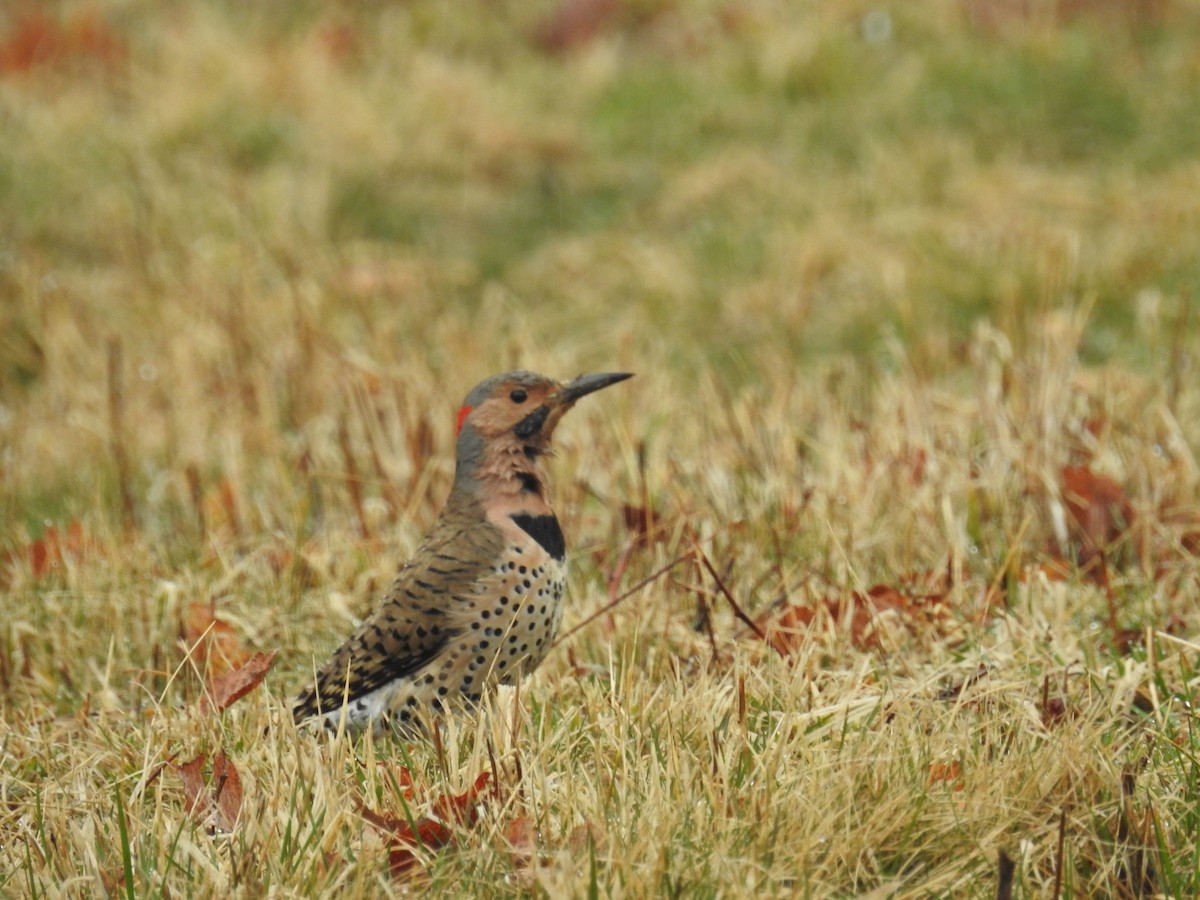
{"type": "Point", "coordinates": [880, 280]}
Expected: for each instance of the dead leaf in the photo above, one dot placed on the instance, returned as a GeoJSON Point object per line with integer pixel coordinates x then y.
{"type": "Point", "coordinates": [645, 522]}
{"type": "Point", "coordinates": [231, 687]}
{"type": "Point", "coordinates": [399, 778]}
{"type": "Point", "coordinates": [216, 804]}
{"type": "Point", "coordinates": [575, 23]}
{"type": "Point", "coordinates": [37, 39]}
{"type": "Point", "coordinates": [214, 644]}
{"type": "Point", "coordinates": [429, 832]}
{"type": "Point", "coordinates": [197, 805]}
{"type": "Point", "coordinates": [1053, 569]}
{"type": "Point", "coordinates": [521, 835]}
{"type": "Point", "coordinates": [950, 772]}
{"type": "Point", "coordinates": [1099, 511]}
{"type": "Point", "coordinates": [342, 43]}
{"type": "Point", "coordinates": [55, 548]}
{"type": "Point", "coordinates": [860, 612]}
{"type": "Point", "coordinates": [221, 510]}
{"type": "Point", "coordinates": [227, 792]}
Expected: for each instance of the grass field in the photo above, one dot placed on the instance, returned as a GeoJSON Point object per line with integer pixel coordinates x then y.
{"type": "Point", "coordinates": [909, 290]}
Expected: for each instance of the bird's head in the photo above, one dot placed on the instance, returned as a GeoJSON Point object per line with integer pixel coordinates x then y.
{"type": "Point", "coordinates": [514, 415]}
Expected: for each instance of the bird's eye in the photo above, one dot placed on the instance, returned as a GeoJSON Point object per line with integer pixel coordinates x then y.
{"type": "Point", "coordinates": [518, 396]}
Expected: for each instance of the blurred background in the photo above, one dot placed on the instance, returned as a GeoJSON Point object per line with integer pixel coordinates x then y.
{"type": "Point", "coordinates": [215, 216]}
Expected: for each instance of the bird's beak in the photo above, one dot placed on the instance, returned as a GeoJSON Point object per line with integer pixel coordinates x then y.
{"type": "Point", "coordinates": [587, 384]}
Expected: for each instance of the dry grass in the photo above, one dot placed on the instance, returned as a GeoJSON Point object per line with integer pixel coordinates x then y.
{"type": "Point", "coordinates": [881, 281]}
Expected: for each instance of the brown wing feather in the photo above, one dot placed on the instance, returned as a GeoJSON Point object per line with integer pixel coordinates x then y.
{"type": "Point", "coordinates": [416, 620]}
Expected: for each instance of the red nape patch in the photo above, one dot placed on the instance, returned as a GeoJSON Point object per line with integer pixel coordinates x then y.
{"type": "Point", "coordinates": [462, 417]}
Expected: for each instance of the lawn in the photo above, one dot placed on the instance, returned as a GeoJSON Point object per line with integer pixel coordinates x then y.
{"type": "Point", "coordinates": [884, 568]}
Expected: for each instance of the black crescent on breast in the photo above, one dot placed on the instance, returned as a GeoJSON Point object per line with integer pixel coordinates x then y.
{"type": "Point", "coordinates": [546, 531]}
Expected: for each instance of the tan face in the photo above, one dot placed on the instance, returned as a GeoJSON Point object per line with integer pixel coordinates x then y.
{"type": "Point", "coordinates": [528, 410]}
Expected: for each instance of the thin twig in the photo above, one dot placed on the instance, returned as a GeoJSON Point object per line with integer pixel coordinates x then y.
{"type": "Point", "coordinates": [737, 610]}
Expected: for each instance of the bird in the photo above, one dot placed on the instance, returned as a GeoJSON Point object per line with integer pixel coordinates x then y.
{"type": "Point", "coordinates": [481, 600]}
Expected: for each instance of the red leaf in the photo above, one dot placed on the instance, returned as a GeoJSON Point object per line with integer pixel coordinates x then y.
{"type": "Point", "coordinates": [228, 689]}
{"type": "Point", "coordinates": [399, 778]}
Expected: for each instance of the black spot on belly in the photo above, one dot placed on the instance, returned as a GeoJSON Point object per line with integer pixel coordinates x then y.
{"type": "Point", "coordinates": [546, 531]}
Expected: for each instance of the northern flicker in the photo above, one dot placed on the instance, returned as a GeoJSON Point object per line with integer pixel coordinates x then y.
{"type": "Point", "coordinates": [481, 601]}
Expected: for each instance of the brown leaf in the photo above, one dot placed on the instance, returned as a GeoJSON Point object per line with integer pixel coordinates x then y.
{"type": "Point", "coordinates": [215, 645]}
{"type": "Point", "coordinates": [197, 805]}
{"type": "Point", "coordinates": [430, 832]}
{"type": "Point", "coordinates": [342, 43]}
{"type": "Point", "coordinates": [231, 687]}
{"type": "Point", "coordinates": [787, 630]}
{"type": "Point", "coordinates": [1099, 510]}
{"type": "Point", "coordinates": [36, 39]}
{"type": "Point", "coordinates": [227, 792]}
{"type": "Point", "coordinates": [55, 548]}
{"type": "Point", "coordinates": [950, 772]}
{"type": "Point", "coordinates": [575, 23]}
{"type": "Point", "coordinates": [214, 804]}
{"type": "Point", "coordinates": [645, 522]}
{"type": "Point", "coordinates": [1053, 569]}
{"type": "Point", "coordinates": [464, 807]}
{"type": "Point", "coordinates": [521, 835]}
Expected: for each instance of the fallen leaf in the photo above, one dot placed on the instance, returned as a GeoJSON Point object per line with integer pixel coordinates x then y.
{"type": "Point", "coordinates": [950, 772]}
{"type": "Point", "coordinates": [227, 792]}
{"type": "Point", "coordinates": [1100, 512]}
{"type": "Point", "coordinates": [221, 510]}
{"type": "Point", "coordinates": [398, 777]}
{"type": "Point", "coordinates": [216, 804]}
{"type": "Point", "coordinates": [645, 522]}
{"type": "Point", "coordinates": [213, 643]}
{"type": "Point", "coordinates": [787, 630]}
{"type": "Point", "coordinates": [191, 773]}
{"type": "Point", "coordinates": [342, 43]}
{"type": "Point", "coordinates": [1053, 569]}
{"type": "Point", "coordinates": [231, 687]}
{"type": "Point", "coordinates": [55, 548]}
{"type": "Point", "coordinates": [429, 832]}
{"type": "Point", "coordinates": [521, 835]}
{"type": "Point", "coordinates": [575, 23]}
{"type": "Point", "coordinates": [37, 39]}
